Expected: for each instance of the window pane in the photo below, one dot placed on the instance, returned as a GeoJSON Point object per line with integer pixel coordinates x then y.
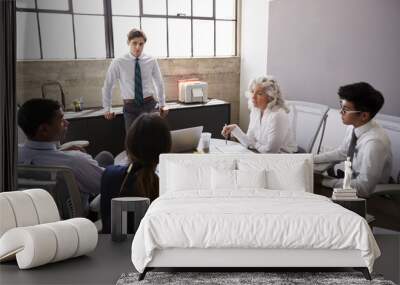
{"type": "Point", "coordinates": [203, 8]}
{"type": "Point", "coordinates": [181, 7]}
{"type": "Point", "coordinates": [225, 9]}
{"type": "Point", "coordinates": [124, 7]}
{"type": "Point", "coordinates": [203, 38]}
{"type": "Point", "coordinates": [156, 32]}
{"type": "Point", "coordinates": [27, 36]}
{"type": "Point", "coordinates": [121, 27]}
{"type": "Point", "coordinates": [88, 6]}
{"type": "Point", "coordinates": [56, 34]}
{"type": "Point", "coordinates": [154, 7]}
{"type": "Point", "coordinates": [26, 4]}
{"type": "Point", "coordinates": [225, 36]}
{"type": "Point", "coordinates": [90, 36]}
{"type": "Point", "coordinates": [53, 4]}
{"type": "Point", "coordinates": [179, 38]}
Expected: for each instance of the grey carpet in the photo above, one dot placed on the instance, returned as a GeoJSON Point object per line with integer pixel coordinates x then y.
{"type": "Point", "coordinates": [228, 278]}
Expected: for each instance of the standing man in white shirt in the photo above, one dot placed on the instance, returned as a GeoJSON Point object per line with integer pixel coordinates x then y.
{"type": "Point", "coordinates": [137, 74]}
{"type": "Point", "coordinates": [365, 142]}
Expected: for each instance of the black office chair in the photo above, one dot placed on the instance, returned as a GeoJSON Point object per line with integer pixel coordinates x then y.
{"type": "Point", "coordinates": [59, 181]}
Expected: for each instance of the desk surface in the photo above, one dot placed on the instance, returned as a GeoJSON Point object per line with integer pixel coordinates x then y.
{"type": "Point", "coordinates": [216, 146]}
{"type": "Point", "coordinates": [98, 112]}
{"type": "Point", "coordinates": [104, 265]}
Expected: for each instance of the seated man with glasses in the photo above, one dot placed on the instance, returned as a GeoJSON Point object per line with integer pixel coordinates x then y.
{"type": "Point", "coordinates": [365, 143]}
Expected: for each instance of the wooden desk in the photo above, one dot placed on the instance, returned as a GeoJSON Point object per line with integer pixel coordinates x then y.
{"type": "Point", "coordinates": [110, 135]}
{"type": "Point", "coordinates": [216, 146]}
{"type": "Point", "coordinates": [357, 206]}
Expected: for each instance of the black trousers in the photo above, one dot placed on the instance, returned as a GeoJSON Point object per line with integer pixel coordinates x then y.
{"type": "Point", "coordinates": [385, 209]}
{"type": "Point", "coordinates": [132, 111]}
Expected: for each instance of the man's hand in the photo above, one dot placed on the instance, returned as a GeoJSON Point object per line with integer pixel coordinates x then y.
{"type": "Point", "coordinates": [109, 115]}
{"type": "Point", "coordinates": [164, 111]}
{"type": "Point", "coordinates": [226, 131]}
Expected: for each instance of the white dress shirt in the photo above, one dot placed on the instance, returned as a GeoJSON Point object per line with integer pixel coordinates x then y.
{"type": "Point", "coordinates": [86, 170]}
{"type": "Point", "coordinates": [271, 132]}
{"type": "Point", "coordinates": [372, 161]}
{"type": "Point", "coordinates": [123, 69]}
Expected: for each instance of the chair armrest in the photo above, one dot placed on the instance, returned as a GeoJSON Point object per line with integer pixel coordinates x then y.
{"type": "Point", "coordinates": [386, 189]}
{"type": "Point", "coordinates": [324, 166]}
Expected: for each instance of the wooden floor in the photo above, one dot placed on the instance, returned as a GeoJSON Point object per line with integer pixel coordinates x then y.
{"type": "Point", "coordinates": [110, 260]}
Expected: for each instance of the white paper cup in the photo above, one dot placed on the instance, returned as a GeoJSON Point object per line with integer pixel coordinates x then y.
{"type": "Point", "coordinates": [205, 141]}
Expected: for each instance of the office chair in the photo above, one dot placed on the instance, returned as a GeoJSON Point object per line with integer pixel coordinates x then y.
{"type": "Point", "coordinates": [307, 119]}
{"type": "Point", "coordinates": [59, 181]}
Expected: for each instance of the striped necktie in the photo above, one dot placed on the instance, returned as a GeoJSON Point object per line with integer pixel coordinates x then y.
{"type": "Point", "coordinates": [352, 146]}
{"type": "Point", "coordinates": [138, 84]}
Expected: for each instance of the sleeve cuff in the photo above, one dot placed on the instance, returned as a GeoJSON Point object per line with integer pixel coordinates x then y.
{"type": "Point", "coordinates": [161, 102]}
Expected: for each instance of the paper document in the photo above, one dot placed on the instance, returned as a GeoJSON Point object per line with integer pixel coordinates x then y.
{"type": "Point", "coordinates": [237, 148]}
{"type": "Point", "coordinates": [197, 92]}
{"type": "Point", "coordinates": [241, 136]}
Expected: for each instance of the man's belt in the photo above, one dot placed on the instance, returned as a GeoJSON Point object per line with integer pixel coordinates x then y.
{"type": "Point", "coordinates": [145, 100]}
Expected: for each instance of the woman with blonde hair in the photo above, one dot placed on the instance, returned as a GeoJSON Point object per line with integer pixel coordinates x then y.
{"type": "Point", "coordinates": [269, 128]}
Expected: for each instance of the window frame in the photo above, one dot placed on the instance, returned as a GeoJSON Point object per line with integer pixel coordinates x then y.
{"type": "Point", "coordinates": [108, 23]}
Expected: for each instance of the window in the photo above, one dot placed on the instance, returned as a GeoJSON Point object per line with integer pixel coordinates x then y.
{"type": "Point", "coordinates": [27, 36]}
{"type": "Point", "coordinates": [68, 29]}
{"type": "Point", "coordinates": [60, 29]}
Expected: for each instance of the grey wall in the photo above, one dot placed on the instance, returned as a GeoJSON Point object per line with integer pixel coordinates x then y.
{"type": "Point", "coordinates": [85, 78]}
{"type": "Point", "coordinates": [314, 46]}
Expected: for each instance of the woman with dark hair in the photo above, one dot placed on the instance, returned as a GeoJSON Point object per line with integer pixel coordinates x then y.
{"type": "Point", "coordinates": [147, 138]}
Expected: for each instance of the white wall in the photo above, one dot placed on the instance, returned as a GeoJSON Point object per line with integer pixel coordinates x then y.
{"type": "Point", "coordinates": [315, 46]}
{"type": "Point", "coordinates": [254, 35]}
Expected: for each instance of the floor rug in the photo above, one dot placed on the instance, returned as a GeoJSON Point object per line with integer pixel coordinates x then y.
{"type": "Point", "coordinates": [242, 278]}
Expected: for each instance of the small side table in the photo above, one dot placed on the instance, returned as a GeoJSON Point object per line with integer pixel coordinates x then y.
{"type": "Point", "coordinates": [119, 208]}
{"type": "Point", "coordinates": [358, 205]}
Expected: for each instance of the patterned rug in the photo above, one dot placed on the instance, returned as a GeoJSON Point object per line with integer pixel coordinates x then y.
{"type": "Point", "coordinates": [273, 278]}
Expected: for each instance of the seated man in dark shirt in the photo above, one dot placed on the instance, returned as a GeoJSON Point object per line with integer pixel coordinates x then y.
{"type": "Point", "coordinates": [147, 138]}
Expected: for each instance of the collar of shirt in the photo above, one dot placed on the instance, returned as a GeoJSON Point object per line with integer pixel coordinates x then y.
{"type": "Point", "coordinates": [364, 128]}
{"type": "Point", "coordinates": [41, 145]}
{"type": "Point", "coordinates": [141, 56]}
{"type": "Point", "coordinates": [266, 112]}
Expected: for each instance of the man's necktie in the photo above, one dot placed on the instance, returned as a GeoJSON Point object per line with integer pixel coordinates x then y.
{"type": "Point", "coordinates": [352, 146]}
{"type": "Point", "coordinates": [138, 84]}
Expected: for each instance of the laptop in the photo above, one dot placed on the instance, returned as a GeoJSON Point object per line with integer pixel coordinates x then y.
{"type": "Point", "coordinates": [185, 140]}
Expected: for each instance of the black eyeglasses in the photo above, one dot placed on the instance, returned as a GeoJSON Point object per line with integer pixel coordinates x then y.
{"type": "Point", "coordinates": [343, 111]}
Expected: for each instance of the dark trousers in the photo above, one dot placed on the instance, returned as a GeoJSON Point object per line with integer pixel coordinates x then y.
{"type": "Point", "coordinates": [132, 111]}
{"type": "Point", "coordinates": [385, 209]}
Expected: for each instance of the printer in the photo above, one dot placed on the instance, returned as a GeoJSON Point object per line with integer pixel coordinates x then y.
{"type": "Point", "coordinates": [192, 91]}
